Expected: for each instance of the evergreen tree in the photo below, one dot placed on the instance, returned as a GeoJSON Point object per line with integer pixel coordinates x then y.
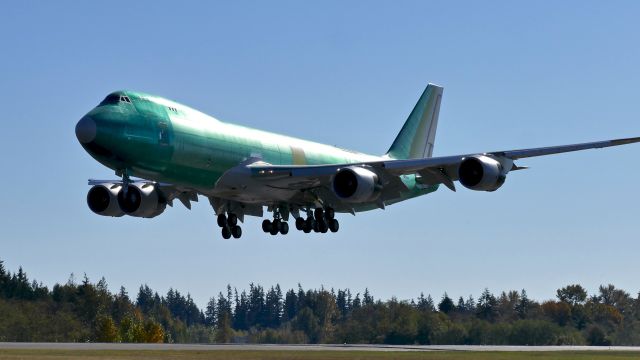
{"type": "Point", "coordinates": [367, 299]}
{"type": "Point", "coordinates": [256, 313]}
{"type": "Point", "coordinates": [357, 303]}
{"type": "Point", "coordinates": [487, 308]}
{"type": "Point", "coordinates": [426, 304]}
{"type": "Point", "coordinates": [523, 306]}
{"type": "Point", "coordinates": [290, 306]}
{"type": "Point", "coordinates": [273, 307]}
{"type": "Point", "coordinates": [21, 287]}
{"type": "Point", "coordinates": [4, 280]}
{"type": "Point", "coordinates": [223, 312]}
{"type": "Point", "coordinates": [302, 300]}
{"type": "Point", "coordinates": [145, 299]}
{"type": "Point", "coordinates": [210, 312]}
{"type": "Point", "coordinates": [341, 303]}
{"type": "Point", "coordinates": [446, 304]}
{"type": "Point", "coordinates": [121, 305]}
{"type": "Point", "coordinates": [241, 311]}
{"type": "Point", "coordinates": [470, 304]}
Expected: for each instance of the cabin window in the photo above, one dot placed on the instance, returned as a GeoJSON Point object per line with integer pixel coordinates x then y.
{"type": "Point", "coordinates": [111, 99]}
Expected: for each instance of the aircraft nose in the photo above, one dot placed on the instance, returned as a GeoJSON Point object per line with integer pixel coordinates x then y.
{"type": "Point", "coordinates": [86, 130]}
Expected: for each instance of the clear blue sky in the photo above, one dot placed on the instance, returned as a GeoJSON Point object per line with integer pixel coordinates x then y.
{"type": "Point", "coordinates": [515, 74]}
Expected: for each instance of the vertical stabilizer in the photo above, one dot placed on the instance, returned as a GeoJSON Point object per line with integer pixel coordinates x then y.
{"type": "Point", "coordinates": [418, 133]}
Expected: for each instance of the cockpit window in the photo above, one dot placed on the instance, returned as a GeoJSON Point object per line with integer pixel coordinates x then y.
{"type": "Point", "coordinates": [113, 99]}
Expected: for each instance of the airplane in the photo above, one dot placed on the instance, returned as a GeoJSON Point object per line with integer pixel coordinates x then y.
{"type": "Point", "coordinates": [164, 151]}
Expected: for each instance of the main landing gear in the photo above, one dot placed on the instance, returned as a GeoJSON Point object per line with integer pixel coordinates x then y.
{"type": "Point", "coordinates": [320, 220]}
{"type": "Point", "coordinates": [278, 225]}
{"type": "Point", "coordinates": [229, 225]}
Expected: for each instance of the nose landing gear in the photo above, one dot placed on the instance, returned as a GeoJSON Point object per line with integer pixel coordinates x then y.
{"type": "Point", "coordinates": [229, 225]}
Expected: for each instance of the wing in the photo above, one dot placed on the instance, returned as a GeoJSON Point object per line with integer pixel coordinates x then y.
{"type": "Point", "coordinates": [428, 171]}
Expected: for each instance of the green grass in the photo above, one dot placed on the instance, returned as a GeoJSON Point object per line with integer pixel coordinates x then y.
{"type": "Point", "coordinates": [302, 355]}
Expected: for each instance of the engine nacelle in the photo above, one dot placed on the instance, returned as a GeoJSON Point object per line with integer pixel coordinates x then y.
{"type": "Point", "coordinates": [141, 200]}
{"type": "Point", "coordinates": [103, 200]}
{"type": "Point", "coordinates": [355, 184]}
{"type": "Point", "coordinates": [481, 173]}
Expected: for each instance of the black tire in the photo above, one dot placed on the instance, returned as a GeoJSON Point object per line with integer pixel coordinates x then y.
{"type": "Point", "coordinates": [300, 223]}
{"type": "Point", "coordinates": [275, 227]}
{"type": "Point", "coordinates": [334, 225]}
{"type": "Point", "coordinates": [284, 228]}
{"type": "Point", "coordinates": [222, 220]}
{"type": "Point", "coordinates": [226, 233]}
{"type": "Point", "coordinates": [329, 213]}
{"type": "Point", "coordinates": [266, 225]}
{"type": "Point", "coordinates": [310, 224]}
{"type": "Point", "coordinates": [236, 232]}
{"type": "Point", "coordinates": [318, 213]}
{"type": "Point", "coordinates": [232, 220]}
{"type": "Point", "coordinates": [306, 229]}
{"type": "Point", "coordinates": [323, 227]}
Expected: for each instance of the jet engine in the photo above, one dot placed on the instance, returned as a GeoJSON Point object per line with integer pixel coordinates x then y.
{"type": "Point", "coordinates": [481, 173]}
{"type": "Point", "coordinates": [103, 200]}
{"type": "Point", "coordinates": [141, 200]}
{"type": "Point", "coordinates": [355, 184]}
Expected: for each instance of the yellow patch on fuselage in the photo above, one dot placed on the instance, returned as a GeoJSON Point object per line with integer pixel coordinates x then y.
{"type": "Point", "coordinates": [297, 154]}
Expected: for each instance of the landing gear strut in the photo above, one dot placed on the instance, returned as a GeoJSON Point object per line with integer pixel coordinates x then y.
{"type": "Point", "coordinates": [229, 225]}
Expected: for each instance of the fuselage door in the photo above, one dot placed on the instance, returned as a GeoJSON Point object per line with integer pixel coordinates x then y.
{"type": "Point", "coordinates": [163, 133]}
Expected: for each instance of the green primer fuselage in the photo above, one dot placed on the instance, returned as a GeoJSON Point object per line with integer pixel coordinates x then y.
{"type": "Point", "coordinates": [160, 140]}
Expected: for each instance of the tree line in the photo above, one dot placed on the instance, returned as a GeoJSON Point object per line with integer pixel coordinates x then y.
{"type": "Point", "coordinates": [80, 311]}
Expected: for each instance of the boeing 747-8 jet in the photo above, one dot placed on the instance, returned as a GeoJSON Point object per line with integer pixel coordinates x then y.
{"type": "Point", "coordinates": [163, 151]}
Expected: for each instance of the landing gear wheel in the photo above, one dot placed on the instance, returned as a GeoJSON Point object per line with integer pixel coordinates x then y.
{"type": "Point", "coordinates": [322, 226]}
{"type": "Point", "coordinates": [266, 225]}
{"type": "Point", "coordinates": [308, 225]}
{"type": "Point", "coordinates": [226, 233]}
{"type": "Point", "coordinates": [318, 213]}
{"type": "Point", "coordinates": [236, 231]}
{"type": "Point", "coordinates": [334, 225]}
{"type": "Point", "coordinates": [329, 213]}
{"type": "Point", "coordinates": [311, 225]}
{"type": "Point", "coordinates": [232, 220]}
{"type": "Point", "coordinates": [222, 220]}
{"type": "Point", "coordinates": [300, 223]}
{"type": "Point", "coordinates": [284, 228]}
{"type": "Point", "coordinates": [275, 227]}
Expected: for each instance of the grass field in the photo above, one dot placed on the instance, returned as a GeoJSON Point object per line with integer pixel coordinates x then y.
{"type": "Point", "coordinates": [295, 355]}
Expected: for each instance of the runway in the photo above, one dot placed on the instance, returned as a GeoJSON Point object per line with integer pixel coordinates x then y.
{"type": "Point", "coordinates": [328, 347]}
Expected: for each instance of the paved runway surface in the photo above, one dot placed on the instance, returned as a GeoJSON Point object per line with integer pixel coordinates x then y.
{"type": "Point", "coordinates": [256, 347]}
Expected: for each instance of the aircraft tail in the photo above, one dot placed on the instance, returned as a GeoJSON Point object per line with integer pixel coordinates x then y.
{"type": "Point", "coordinates": [418, 133]}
